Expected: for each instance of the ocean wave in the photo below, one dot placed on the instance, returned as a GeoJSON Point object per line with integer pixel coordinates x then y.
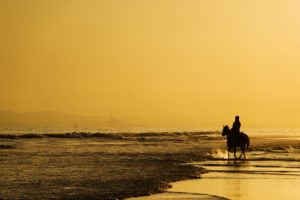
{"type": "Point", "coordinates": [105, 135]}
{"type": "Point", "coordinates": [57, 135]}
{"type": "Point", "coordinates": [275, 148]}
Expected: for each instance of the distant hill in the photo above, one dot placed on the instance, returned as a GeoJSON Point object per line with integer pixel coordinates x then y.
{"type": "Point", "coordinates": [50, 119]}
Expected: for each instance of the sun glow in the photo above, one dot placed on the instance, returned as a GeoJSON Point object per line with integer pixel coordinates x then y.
{"type": "Point", "coordinates": [161, 63]}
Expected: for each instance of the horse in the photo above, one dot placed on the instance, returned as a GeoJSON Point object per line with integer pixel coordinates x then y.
{"type": "Point", "coordinates": [236, 140]}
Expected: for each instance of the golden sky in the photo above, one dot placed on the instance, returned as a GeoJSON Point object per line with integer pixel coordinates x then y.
{"type": "Point", "coordinates": [204, 59]}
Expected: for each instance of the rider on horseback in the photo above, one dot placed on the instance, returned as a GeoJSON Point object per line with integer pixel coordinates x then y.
{"type": "Point", "coordinates": [236, 128]}
{"type": "Point", "coordinates": [236, 125]}
{"type": "Point", "coordinates": [235, 138]}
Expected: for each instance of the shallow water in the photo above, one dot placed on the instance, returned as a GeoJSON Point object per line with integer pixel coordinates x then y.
{"type": "Point", "coordinates": [266, 175]}
{"type": "Point", "coordinates": [179, 195]}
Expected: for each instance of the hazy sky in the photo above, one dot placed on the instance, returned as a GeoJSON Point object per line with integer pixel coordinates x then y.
{"type": "Point", "coordinates": [204, 59]}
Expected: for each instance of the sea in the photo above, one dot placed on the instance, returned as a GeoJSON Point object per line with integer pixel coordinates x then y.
{"type": "Point", "coordinates": [35, 161]}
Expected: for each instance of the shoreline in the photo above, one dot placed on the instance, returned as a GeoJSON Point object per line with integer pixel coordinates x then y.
{"type": "Point", "coordinates": [179, 195]}
{"type": "Point", "coordinates": [168, 171]}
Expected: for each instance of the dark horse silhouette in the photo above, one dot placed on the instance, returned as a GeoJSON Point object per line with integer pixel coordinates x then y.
{"type": "Point", "coordinates": [236, 140]}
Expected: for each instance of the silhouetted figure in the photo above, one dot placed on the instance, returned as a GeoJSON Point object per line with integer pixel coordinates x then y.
{"type": "Point", "coordinates": [236, 125]}
{"type": "Point", "coordinates": [236, 131]}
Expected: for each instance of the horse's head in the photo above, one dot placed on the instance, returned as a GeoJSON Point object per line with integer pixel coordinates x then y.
{"type": "Point", "coordinates": [225, 131]}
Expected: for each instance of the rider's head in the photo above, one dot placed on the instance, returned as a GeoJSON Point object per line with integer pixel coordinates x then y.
{"type": "Point", "coordinates": [237, 118]}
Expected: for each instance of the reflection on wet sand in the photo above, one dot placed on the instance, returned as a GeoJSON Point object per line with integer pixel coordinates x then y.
{"type": "Point", "coordinates": [245, 181]}
{"type": "Point", "coordinates": [179, 195]}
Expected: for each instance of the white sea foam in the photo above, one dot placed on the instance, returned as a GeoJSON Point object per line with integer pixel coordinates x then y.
{"type": "Point", "coordinates": [219, 153]}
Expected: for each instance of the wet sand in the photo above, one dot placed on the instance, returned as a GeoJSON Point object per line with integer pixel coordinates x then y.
{"type": "Point", "coordinates": [245, 181]}
{"type": "Point", "coordinates": [238, 181]}
{"type": "Point", "coordinates": [97, 166]}
{"type": "Point", "coordinates": [179, 195]}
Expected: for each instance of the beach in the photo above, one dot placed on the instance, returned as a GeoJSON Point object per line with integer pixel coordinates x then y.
{"type": "Point", "coordinates": [131, 99]}
{"type": "Point", "coordinates": [122, 165]}
{"type": "Point", "coordinates": [96, 166]}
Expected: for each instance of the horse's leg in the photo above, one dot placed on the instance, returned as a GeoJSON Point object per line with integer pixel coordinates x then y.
{"type": "Point", "coordinates": [242, 151]}
{"type": "Point", "coordinates": [228, 149]}
{"type": "Point", "coordinates": [234, 149]}
{"type": "Point", "coordinates": [241, 154]}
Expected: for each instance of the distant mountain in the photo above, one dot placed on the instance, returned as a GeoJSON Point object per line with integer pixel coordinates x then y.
{"type": "Point", "coordinates": [50, 119]}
